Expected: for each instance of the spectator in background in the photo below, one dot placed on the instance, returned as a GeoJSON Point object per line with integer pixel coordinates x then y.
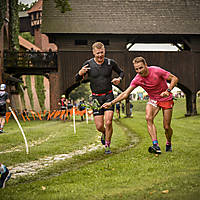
{"type": "Point", "coordinates": [131, 108]}
{"type": "Point", "coordinates": [69, 107]}
{"type": "Point", "coordinates": [63, 105]}
{"type": "Point", "coordinates": [123, 108]}
{"type": "Point", "coordinates": [118, 109]}
{"type": "Point", "coordinates": [4, 99]}
{"type": "Point", "coordinates": [5, 175]}
{"type": "Point", "coordinates": [81, 107]}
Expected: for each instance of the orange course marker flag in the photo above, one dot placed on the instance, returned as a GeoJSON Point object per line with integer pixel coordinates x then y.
{"type": "Point", "coordinates": [62, 114]}
{"type": "Point", "coordinates": [44, 113]}
{"type": "Point", "coordinates": [23, 116]}
{"type": "Point", "coordinates": [39, 116]}
{"type": "Point", "coordinates": [7, 116]}
{"type": "Point", "coordinates": [51, 114]}
{"type": "Point", "coordinates": [66, 115]}
{"type": "Point", "coordinates": [27, 117]}
{"type": "Point", "coordinates": [71, 112]}
{"type": "Point", "coordinates": [57, 114]}
{"type": "Point", "coordinates": [32, 114]}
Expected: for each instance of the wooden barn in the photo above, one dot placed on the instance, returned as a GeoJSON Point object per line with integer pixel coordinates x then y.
{"type": "Point", "coordinates": [118, 23]}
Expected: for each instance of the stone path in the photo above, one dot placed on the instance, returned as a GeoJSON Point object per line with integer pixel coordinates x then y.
{"type": "Point", "coordinates": [34, 167]}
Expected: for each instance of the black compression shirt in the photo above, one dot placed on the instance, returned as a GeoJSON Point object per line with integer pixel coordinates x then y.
{"type": "Point", "coordinates": [100, 76]}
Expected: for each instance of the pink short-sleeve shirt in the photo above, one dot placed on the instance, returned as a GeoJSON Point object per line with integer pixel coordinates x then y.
{"type": "Point", "coordinates": [154, 84]}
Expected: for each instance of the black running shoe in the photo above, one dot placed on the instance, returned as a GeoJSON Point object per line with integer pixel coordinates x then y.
{"type": "Point", "coordinates": [107, 150]}
{"type": "Point", "coordinates": [168, 148]}
{"type": "Point", "coordinates": [4, 178]}
{"type": "Point", "coordinates": [103, 139]}
{"type": "Point", "coordinates": [154, 149]}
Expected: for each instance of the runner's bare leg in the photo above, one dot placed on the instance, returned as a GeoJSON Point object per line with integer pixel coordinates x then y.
{"type": "Point", "coordinates": [167, 116]}
{"type": "Point", "coordinates": [151, 112]}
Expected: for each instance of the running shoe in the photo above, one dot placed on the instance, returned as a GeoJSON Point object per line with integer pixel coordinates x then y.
{"type": "Point", "coordinates": [155, 149]}
{"type": "Point", "coordinates": [4, 178]}
{"type": "Point", "coordinates": [103, 138]}
{"type": "Point", "coordinates": [107, 150]}
{"type": "Point", "coordinates": [168, 148]}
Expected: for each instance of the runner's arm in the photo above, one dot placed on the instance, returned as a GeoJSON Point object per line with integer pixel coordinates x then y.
{"type": "Point", "coordinates": [173, 81]}
{"type": "Point", "coordinates": [119, 71]}
{"type": "Point", "coordinates": [81, 73]}
{"type": "Point", "coordinates": [8, 101]}
{"type": "Point", "coordinates": [122, 96]}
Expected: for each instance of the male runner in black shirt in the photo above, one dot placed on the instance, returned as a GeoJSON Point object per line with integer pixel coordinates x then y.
{"type": "Point", "coordinates": [99, 70]}
{"type": "Point", "coordinates": [3, 100]}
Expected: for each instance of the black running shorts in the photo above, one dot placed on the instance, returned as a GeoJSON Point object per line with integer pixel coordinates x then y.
{"type": "Point", "coordinates": [103, 99]}
{"type": "Point", "coordinates": [3, 111]}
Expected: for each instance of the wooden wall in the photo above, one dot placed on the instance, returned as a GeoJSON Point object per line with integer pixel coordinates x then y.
{"type": "Point", "coordinates": [185, 65]}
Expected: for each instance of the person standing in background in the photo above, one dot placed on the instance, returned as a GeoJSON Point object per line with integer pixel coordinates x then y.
{"type": "Point", "coordinates": [5, 175]}
{"type": "Point", "coordinates": [3, 101]}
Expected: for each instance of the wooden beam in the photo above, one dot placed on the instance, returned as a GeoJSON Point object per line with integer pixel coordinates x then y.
{"type": "Point", "coordinates": [179, 47]}
{"type": "Point", "coordinates": [186, 42]}
{"type": "Point", "coordinates": [132, 42]}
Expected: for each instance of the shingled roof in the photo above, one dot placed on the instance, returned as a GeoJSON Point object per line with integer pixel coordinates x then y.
{"type": "Point", "coordinates": [123, 17]}
{"type": "Point", "coordinates": [27, 45]}
{"type": "Point", "coordinates": [36, 7]}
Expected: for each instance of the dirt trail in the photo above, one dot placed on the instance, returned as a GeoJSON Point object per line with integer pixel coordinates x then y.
{"type": "Point", "coordinates": [34, 167]}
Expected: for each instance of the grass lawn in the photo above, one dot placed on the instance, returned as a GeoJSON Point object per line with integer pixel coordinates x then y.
{"type": "Point", "coordinates": [130, 172]}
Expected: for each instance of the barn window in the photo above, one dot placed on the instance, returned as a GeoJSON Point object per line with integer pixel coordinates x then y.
{"type": "Point", "coordinates": [105, 42]}
{"type": "Point", "coordinates": [81, 42]}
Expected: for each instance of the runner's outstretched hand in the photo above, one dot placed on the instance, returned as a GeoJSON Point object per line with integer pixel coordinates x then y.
{"type": "Point", "coordinates": [165, 94]}
{"type": "Point", "coordinates": [106, 105]}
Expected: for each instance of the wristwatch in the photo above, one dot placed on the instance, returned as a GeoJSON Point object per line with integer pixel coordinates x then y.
{"type": "Point", "coordinates": [168, 90]}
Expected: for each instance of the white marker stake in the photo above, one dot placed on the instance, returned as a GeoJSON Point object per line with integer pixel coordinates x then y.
{"type": "Point", "coordinates": [86, 115]}
{"type": "Point", "coordinates": [20, 128]}
{"type": "Point", "coordinates": [74, 120]}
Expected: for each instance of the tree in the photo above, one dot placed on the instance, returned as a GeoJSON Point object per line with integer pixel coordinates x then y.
{"type": "Point", "coordinates": [28, 36]}
{"type": "Point", "coordinates": [23, 7]}
{"type": "Point", "coordinates": [63, 5]}
{"type": "Point", "coordinates": [83, 91]}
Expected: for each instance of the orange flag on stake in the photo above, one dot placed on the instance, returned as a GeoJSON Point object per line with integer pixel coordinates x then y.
{"type": "Point", "coordinates": [39, 116]}
{"type": "Point", "coordinates": [33, 114]}
{"type": "Point", "coordinates": [23, 116]}
{"type": "Point", "coordinates": [7, 116]}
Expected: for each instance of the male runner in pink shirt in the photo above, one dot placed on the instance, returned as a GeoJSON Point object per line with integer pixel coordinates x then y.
{"type": "Point", "coordinates": [154, 81]}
